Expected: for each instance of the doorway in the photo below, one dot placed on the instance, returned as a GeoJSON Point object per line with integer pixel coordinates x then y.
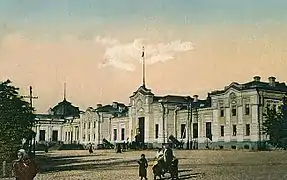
{"type": "Point", "coordinates": [141, 130]}
{"type": "Point", "coordinates": [55, 135]}
{"type": "Point", "coordinates": [208, 131]}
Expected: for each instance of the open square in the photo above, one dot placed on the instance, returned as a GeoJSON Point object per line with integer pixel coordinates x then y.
{"type": "Point", "coordinates": [195, 164]}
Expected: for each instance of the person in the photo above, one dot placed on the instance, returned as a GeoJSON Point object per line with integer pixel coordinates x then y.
{"type": "Point", "coordinates": [91, 149]}
{"type": "Point", "coordinates": [167, 156]}
{"type": "Point", "coordinates": [24, 168]}
{"type": "Point", "coordinates": [119, 148]}
{"type": "Point", "coordinates": [143, 167]}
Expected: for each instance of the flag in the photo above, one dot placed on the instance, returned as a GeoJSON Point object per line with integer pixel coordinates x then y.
{"type": "Point", "coordinates": [143, 52]}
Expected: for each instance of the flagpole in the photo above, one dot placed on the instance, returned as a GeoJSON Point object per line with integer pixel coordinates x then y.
{"type": "Point", "coordinates": [143, 59]}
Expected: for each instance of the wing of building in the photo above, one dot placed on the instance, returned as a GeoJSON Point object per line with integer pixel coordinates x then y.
{"type": "Point", "coordinates": [227, 118]}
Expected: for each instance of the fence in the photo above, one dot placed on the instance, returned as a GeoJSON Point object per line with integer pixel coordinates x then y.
{"type": "Point", "coordinates": [6, 169]}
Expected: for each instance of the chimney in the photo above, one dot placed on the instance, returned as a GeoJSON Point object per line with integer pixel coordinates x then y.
{"type": "Point", "coordinates": [195, 98]}
{"type": "Point", "coordinates": [271, 81]}
{"type": "Point", "coordinates": [115, 105]}
{"type": "Point", "coordinates": [99, 105]}
{"type": "Point", "coordinates": [257, 78]}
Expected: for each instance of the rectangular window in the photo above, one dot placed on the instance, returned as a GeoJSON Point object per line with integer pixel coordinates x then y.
{"type": "Point", "coordinates": [69, 136]}
{"type": "Point", "coordinates": [195, 130]}
{"type": "Point", "coordinates": [42, 135]}
{"type": "Point", "coordinates": [84, 137]}
{"type": "Point", "coordinates": [123, 134]}
{"type": "Point", "coordinates": [89, 125]}
{"type": "Point", "coordinates": [208, 132]}
{"type": "Point", "coordinates": [233, 110]}
{"type": "Point", "coordinates": [55, 135]}
{"type": "Point", "coordinates": [221, 130]}
{"type": "Point", "coordinates": [234, 132]}
{"type": "Point", "coordinates": [221, 112]}
{"type": "Point", "coordinates": [156, 131]}
{"type": "Point", "coordinates": [247, 109]}
{"type": "Point", "coordinates": [94, 136]}
{"type": "Point", "coordinates": [247, 133]}
{"type": "Point", "coordinates": [89, 137]}
{"type": "Point", "coordinates": [182, 131]}
{"type": "Point", "coordinates": [115, 134]}
{"type": "Point", "coordinates": [84, 126]}
{"type": "Point", "coordinates": [94, 124]}
{"type": "Point", "coordinates": [66, 136]}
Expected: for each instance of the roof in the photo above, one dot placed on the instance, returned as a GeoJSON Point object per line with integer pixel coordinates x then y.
{"type": "Point", "coordinates": [143, 90]}
{"type": "Point", "coordinates": [116, 109]}
{"type": "Point", "coordinates": [253, 85]}
{"type": "Point", "coordinates": [65, 109]}
{"type": "Point", "coordinates": [183, 101]}
{"type": "Point", "coordinates": [173, 99]}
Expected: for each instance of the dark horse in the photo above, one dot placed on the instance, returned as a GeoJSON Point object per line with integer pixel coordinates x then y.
{"type": "Point", "coordinates": [159, 170]}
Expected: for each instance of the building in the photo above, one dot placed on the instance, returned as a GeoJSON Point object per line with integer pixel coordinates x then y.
{"type": "Point", "coordinates": [228, 118]}
{"type": "Point", "coordinates": [59, 124]}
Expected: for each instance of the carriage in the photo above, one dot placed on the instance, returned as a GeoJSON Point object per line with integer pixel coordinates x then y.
{"type": "Point", "coordinates": [160, 169]}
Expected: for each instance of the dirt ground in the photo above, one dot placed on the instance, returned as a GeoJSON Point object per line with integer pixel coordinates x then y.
{"type": "Point", "coordinates": [193, 164]}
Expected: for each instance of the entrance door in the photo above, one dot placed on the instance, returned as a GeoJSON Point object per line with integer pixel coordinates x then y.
{"type": "Point", "coordinates": [208, 130]}
{"type": "Point", "coordinates": [141, 130]}
{"type": "Point", "coordinates": [55, 135]}
{"type": "Point", "coordinates": [42, 135]}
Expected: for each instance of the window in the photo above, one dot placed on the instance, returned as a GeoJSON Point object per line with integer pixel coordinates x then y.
{"type": "Point", "coordinates": [234, 130]}
{"type": "Point", "coordinates": [195, 130]}
{"type": "Point", "coordinates": [94, 124]}
{"type": "Point", "coordinates": [247, 109]}
{"type": "Point", "coordinates": [94, 136]}
{"type": "Point", "coordinates": [89, 125]}
{"type": "Point", "coordinates": [69, 136]}
{"type": "Point", "coordinates": [66, 136]}
{"type": "Point", "coordinates": [55, 135]}
{"type": "Point", "coordinates": [221, 130]}
{"type": "Point", "coordinates": [221, 112]}
{"type": "Point", "coordinates": [233, 110]}
{"type": "Point", "coordinates": [115, 134]}
{"type": "Point", "coordinates": [123, 134]}
{"type": "Point", "coordinates": [208, 132]}
{"type": "Point", "coordinates": [84, 126]}
{"type": "Point", "coordinates": [247, 133]}
{"type": "Point", "coordinates": [89, 137]}
{"type": "Point", "coordinates": [156, 131]}
{"type": "Point", "coordinates": [84, 137]}
{"type": "Point", "coordinates": [182, 131]}
{"type": "Point", "coordinates": [42, 135]}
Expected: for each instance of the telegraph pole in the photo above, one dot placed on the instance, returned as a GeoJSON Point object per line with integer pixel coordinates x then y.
{"type": "Point", "coordinates": [31, 97]}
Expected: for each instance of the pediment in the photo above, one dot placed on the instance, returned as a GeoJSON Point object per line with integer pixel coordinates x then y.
{"type": "Point", "coordinates": [142, 90]}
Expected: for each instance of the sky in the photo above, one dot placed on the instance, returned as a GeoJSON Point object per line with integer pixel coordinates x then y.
{"type": "Point", "coordinates": [95, 46]}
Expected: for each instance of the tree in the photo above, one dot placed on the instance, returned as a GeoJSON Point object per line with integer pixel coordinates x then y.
{"type": "Point", "coordinates": [275, 125]}
{"type": "Point", "coordinates": [16, 120]}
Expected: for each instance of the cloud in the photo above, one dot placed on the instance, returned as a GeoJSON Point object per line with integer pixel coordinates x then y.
{"type": "Point", "coordinates": [126, 55]}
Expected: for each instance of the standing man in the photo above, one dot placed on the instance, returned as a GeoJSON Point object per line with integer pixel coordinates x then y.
{"type": "Point", "coordinates": [168, 156]}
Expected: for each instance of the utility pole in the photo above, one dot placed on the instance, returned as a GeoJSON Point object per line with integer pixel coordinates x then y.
{"type": "Point", "coordinates": [30, 96]}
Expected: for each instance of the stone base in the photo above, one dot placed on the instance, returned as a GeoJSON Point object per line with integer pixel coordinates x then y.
{"type": "Point", "coordinates": [231, 145]}
{"type": "Point", "coordinates": [248, 145]}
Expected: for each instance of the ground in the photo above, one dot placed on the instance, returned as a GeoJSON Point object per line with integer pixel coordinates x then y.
{"type": "Point", "coordinates": [193, 164]}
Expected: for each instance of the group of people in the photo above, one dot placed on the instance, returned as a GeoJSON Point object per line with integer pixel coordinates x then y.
{"type": "Point", "coordinates": [24, 168]}
{"type": "Point", "coordinates": [164, 157]}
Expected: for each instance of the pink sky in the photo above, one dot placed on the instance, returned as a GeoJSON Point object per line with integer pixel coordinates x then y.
{"type": "Point", "coordinates": [219, 55]}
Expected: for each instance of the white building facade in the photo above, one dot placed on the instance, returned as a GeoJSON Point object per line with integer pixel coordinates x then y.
{"type": "Point", "coordinates": [229, 118]}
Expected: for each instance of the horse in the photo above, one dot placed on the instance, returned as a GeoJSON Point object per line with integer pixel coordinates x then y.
{"type": "Point", "coordinates": [159, 169]}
